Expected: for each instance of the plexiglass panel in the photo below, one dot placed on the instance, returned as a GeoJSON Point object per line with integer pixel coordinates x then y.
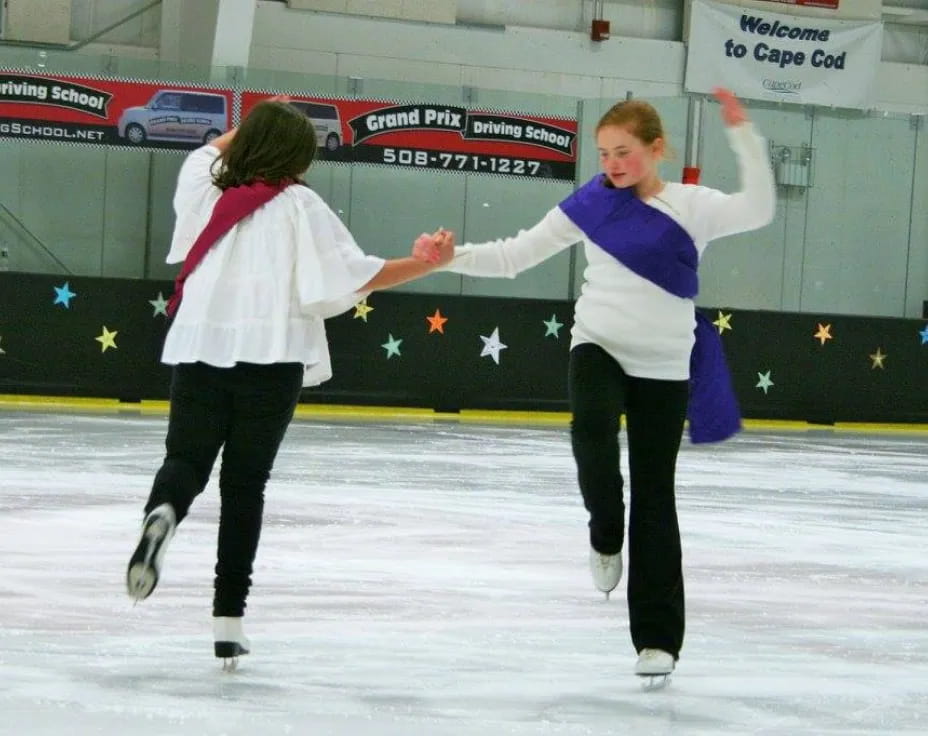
{"type": "Point", "coordinates": [125, 214]}
{"type": "Point", "coordinates": [857, 232]}
{"type": "Point", "coordinates": [917, 272]}
{"type": "Point", "coordinates": [163, 178]}
{"type": "Point", "coordinates": [390, 207]}
{"type": "Point", "coordinates": [63, 203]}
{"type": "Point", "coordinates": [499, 208]}
{"type": "Point", "coordinates": [751, 270]}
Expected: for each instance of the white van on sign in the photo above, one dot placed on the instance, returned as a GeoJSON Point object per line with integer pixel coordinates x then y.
{"type": "Point", "coordinates": [325, 120]}
{"type": "Point", "coordinates": [176, 115]}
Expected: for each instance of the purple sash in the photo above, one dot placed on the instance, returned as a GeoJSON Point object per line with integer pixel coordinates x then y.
{"type": "Point", "coordinates": [654, 246]}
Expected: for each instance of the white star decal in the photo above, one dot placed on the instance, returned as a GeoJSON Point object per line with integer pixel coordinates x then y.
{"type": "Point", "coordinates": [492, 346]}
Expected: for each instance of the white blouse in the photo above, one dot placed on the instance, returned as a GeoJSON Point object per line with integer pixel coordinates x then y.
{"type": "Point", "coordinates": [646, 329]}
{"type": "Point", "coordinates": [261, 293]}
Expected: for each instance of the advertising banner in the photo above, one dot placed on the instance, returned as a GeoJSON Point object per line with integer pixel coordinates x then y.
{"type": "Point", "coordinates": [434, 136]}
{"type": "Point", "coordinates": [785, 58]}
{"type": "Point", "coordinates": [166, 116]}
{"type": "Point", "coordinates": [111, 112]}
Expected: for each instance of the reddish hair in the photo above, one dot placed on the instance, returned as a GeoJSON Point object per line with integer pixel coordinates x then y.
{"type": "Point", "coordinates": [638, 116]}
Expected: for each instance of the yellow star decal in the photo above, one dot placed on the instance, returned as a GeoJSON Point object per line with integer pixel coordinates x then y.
{"type": "Point", "coordinates": [878, 357]}
{"type": "Point", "coordinates": [107, 340]}
{"type": "Point", "coordinates": [723, 322]}
{"type": "Point", "coordinates": [361, 309]}
{"type": "Point", "coordinates": [824, 333]}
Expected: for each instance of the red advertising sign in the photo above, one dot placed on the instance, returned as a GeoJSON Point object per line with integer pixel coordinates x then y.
{"type": "Point", "coordinates": [161, 115]}
{"type": "Point", "coordinates": [437, 136]}
{"type": "Point", "coordinates": [831, 4]}
{"type": "Point", "coordinates": [111, 112]}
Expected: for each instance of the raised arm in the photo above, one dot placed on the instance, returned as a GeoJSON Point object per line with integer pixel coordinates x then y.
{"type": "Point", "coordinates": [193, 201]}
{"type": "Point", "coordinates": [195, 180]}
{"type": "Point", "coordinates": [222, 142]}
{"type": "Point", "coordinates": [751, 207]}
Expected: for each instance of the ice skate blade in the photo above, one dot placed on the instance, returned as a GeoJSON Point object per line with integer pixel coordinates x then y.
{"type": "Point", "coordinates": [142, 573]}
{"type": "Point", "coordinates": [140, 582]}
{"type": "Point", "coordinates": [229, 652]}
{"type": "Point", "coordinates": [649, 683]}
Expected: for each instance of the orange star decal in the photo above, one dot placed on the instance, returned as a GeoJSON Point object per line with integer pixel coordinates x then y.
{"type": "Point", "coordinates": [436, 323]}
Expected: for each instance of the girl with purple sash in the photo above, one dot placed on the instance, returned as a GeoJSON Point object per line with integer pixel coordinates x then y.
{"type": "Point", "coordinates": [638, 347]}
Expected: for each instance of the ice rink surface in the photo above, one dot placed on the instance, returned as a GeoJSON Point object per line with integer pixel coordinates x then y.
{"type": "Point", "coordinates": [431, 578]}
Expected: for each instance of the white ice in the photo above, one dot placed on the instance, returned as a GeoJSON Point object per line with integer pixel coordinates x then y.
{"type": "Point", "coordinates": [432, 579]}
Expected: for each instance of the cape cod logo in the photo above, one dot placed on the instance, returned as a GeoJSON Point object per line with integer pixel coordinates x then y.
{"type": "Point", "coordinates": [783, 87]}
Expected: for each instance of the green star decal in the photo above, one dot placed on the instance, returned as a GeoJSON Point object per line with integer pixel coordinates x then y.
{"type": "Point", "coordinates": [160, 305]}
{"type": "Point", "coordinates": [392, 346]}
{"type": "Point", "coordinates": [553, 326]}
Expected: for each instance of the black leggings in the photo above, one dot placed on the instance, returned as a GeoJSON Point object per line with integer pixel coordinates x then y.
{"type": "Point", "coordinates": [600, 391]}
{"type": "Point", "coordinates": [245, 410]}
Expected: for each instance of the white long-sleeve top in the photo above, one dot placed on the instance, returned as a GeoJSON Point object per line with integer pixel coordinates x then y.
{"type": "Point", "coordinates": [261, 293]}
{"type": "Point", "coordinates": [646, 329]}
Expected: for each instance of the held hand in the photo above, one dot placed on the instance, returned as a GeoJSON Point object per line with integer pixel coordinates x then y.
{"type": "Point", "coordinates": [436, 249]}
{"type": "Point", "coordinates": [425, 248]}
{"type": "Point", "coordinates": [428, 253]}
{"type": "Point", "coordinates": [733, 113]}
{"type": "Point", "coordinates": [445, 246]}
{"type": "Point", "coordinates": [280, 98]}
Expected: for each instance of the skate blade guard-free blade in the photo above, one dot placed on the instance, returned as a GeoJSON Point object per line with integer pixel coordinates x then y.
{"type": "Point", "coordinates": [140, 581]}
{"type": "Point", "coordinates": [654, 682]}
{"type": "Point", "coordinates": [229, 652]}
{"type": "Point", "coordinates": [145, 564]}
{"type": "Point", "coordinates": [654, 666]}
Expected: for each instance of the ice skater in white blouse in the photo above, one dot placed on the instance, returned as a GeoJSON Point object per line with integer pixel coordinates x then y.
{"type": "Point", "coordinates": [265, 262]}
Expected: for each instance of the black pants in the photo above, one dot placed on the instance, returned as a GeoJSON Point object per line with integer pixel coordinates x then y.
{"type": "Point", "coordinates": [245, 410]}
{"type": "Point", "coordinates": [654, 414]}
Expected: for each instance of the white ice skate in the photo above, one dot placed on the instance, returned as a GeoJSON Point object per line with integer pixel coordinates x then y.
{"type": "Point", "coordinates": [230, 641]}
{"type": "Point", "coordinates": [145, 564]}
{"type": "Point", "coordinates": [655, 666]}
{"type": "Point", "coordinates": [607, 571]}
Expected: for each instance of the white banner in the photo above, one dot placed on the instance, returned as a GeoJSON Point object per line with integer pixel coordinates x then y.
{"type": "Point", "coordinates": [786, 58]}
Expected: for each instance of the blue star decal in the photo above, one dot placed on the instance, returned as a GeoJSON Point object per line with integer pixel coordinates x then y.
{"type": "Point", "coordinates": [924, 334]}
{"type": "Point", "coordinates": [64, 295]}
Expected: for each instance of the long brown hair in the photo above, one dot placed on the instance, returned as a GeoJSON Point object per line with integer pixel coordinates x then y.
{"type": "Point", "coordinates": [274, 143]}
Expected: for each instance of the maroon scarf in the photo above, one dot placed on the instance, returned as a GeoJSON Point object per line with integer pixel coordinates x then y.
{"type": "Point", "coordinates": [235, 204]}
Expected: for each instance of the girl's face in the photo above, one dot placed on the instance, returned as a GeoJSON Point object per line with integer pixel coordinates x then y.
{"type": "Point", "coordinates": [625, 159]}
